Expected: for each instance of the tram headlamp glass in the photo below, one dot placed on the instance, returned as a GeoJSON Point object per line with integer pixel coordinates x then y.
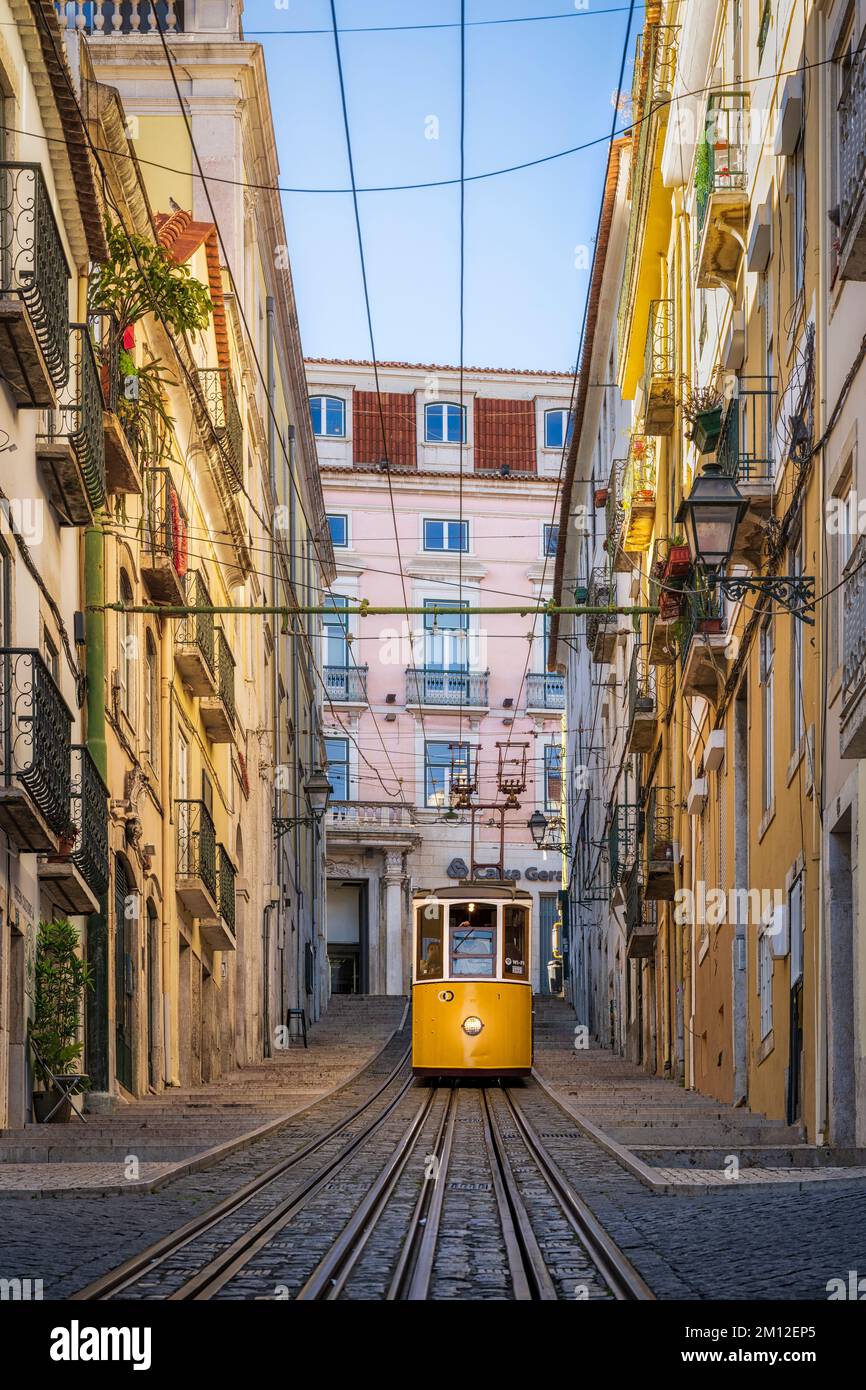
{"type": "Point", "coordinates": [472, 1026]}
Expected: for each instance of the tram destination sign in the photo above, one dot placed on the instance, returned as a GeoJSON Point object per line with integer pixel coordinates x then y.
{"type": "Point", "coordinates": [458, 868]}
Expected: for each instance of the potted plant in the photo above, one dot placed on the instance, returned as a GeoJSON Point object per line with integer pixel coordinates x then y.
{"type": "Point", "coordinates": [60, 979]}
{"type": "Point", "coordinates": [678, 561]}
{"type": "Point", "coordinates": [703, 410]}
{"type": "Point", "coordinates": [600, 497]}
{"type": "Point", "coordinates": [670, 603]}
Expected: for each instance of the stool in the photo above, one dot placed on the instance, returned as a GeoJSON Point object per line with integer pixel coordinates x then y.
{"type": "Point", "coordinates": [297, 1016]}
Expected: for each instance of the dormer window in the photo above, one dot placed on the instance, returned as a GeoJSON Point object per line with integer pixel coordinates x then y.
{"type": "Point", "coordinates": [444, 423]}
{"type": "Point", "coordinates": [557, 428]}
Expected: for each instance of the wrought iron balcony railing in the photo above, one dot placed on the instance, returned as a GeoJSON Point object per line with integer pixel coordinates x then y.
{"type": "Point", "coordinates": [35, 743]}
{"type": "Point", "coordinates": [196, 844]}
{"type": "Point", "coordinates": [33, 269]}
{"type": "Point", "coordinates": [226, 887]}
{"type": "Point", "coordinates": [426, 685]}
{"type": "Point", "coordinates": [196, 631]}
{"type": "Point", "coordinates": [641, 685]}
{"type": "Point", "coordinates": [105, 337]}
{"type": "Point", "coordinates": [545, 690]}
{"type": "Point", "coordinates": [747, 445]}
{"type": "Point", "coordinates": [852, 162]}
{"type": "Point", "coordinates": [853, 720]}
{"type": "Point", "coordinates": [89, 804]}
{"type": "Point", "coordinates": [165, 539]}
{"type": "Point", "coordinates": [721, 162]}
{"type": "Point", "coordinates": [641, 916]}
{"type": "Point", "coordinates": [346, 682]}
{"type": "Point", "coordinates": [113, 18]}
{"type": "Point", "coordinates": [225, 673]}
{"type": "Point", "coordinates": [600, 627]}
{"type": "Point", "coordinates": [623, 834]}
{"type": "Point", "coordinates": [701, 612]}
{"type": "Point", "coordinates": [78, 416]}
{"type": "Point", "coordinates": [222, 408]}
{"type": "Point", "coordinates": [660, 824]}
{"type": "Point", "coordinates": [659, 395]}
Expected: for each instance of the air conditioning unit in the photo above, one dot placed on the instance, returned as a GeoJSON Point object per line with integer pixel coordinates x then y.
{"type": "Point", "coordinates": [714, 754]}
{"type": "Point", "coordinates": [697, 797]}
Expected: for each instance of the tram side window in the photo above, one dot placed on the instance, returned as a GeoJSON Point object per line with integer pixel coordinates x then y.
{"type": "Point", "coordinates": [473, 940]}
{"type": "Point", "coordinates": [515, 942]}
{"type": "Point", "coordinates": [431, 923]}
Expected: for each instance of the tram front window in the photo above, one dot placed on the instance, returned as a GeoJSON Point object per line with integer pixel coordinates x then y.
{"type": "Point", "coordinates": [473, 940]}
{"type": "Point", "coordinates": [430, 942]}
{"type": "Point", "coordinates": [515, 942]}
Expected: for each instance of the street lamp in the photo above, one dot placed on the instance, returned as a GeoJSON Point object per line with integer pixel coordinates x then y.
{"type": "Point", "coordinates": [537, 825]}
{"type": "Point", "coordinates": [710, 515]}
{"type": "Point", "coordinates": [317, 790]}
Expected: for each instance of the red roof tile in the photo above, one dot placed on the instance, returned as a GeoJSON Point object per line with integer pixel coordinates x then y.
{"type": "Point", "coordinates": [504, 433]}
{"type": "Point", "coordinates": [399, 425]}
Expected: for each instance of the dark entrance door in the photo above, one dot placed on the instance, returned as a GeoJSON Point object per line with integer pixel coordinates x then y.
{"type": "Point", "coordinates": [123, 967]}
{"type": "Point", "coordinates": [347, 937]}
{"type": "Point", "coordinates": [548, 914]}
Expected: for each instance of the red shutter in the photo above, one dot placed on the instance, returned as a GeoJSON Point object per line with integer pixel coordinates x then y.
{"type": "Point", "coordinates": [504, 434]}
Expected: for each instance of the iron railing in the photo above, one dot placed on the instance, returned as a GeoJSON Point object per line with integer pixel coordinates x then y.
{"type": "Point", "coordinates": [426, 685]}
{"type": "Point", "coordinates": [639, 476]}
{"type": "Point", "coordinates": [852, 142]}
{"type": "Point", "coordinates": [112, 18]}
{"type": "Point", "coordinates": [854, 626]}
{"type": "Point", "coordinates": [33, 265]}
{"type": "Point", "coordinates": [106, 347]}
{"type": "Point", "coordinates": [89, 809]}
{"type": "Point", "coordinates": [641, 686]}
{"type": "Point", "coordinates": [614, 509]}
{"type": "Point", "coordinates": [196, 843]}
{"type": "Point", "coordinates": [660, 824]}
{"type": "Point", "coordinates": [721, 160]}
{"type": "Point", "coordinates": [225, 673]}
{"type": "Point", "coordinates": [545, 690]}
{"type": "Point", "coordinates": [197, 629]}
{"type": "Point", "coordinates": [622, 840]}
{"type": "Point", "coordinates": [700, 606]}
{"type": "Point", "coordinates": [216, 387]}
{"type": "Point", "coordinates": [601, 594]}
{"type": "Point", "coordinates": [747, 444]}
{"type": "Point", "coordinates": [165, 525]}
{"type": "Point", "coordinates": [78, 416]}
{"type": "Point", "coordinates": [640, 912]}
{"type": "Point", "coordinates": [346, 682]}
{"type": "Point", "coordinates": [35, 734]}
{"type": "Point", "coordinates": [659, 350]}
{"type": "Point", "coordinates": [226, 887]}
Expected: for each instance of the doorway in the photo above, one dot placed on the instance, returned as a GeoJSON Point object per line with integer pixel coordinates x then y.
{"type": "Point", "coordinates": [153, 995]}
{"type": "Point", "coordinates": [548, 916]}
{"type": "Point", "coordinates": [123, 975]}
{"type": "Point", "coordinates": [347, 937]}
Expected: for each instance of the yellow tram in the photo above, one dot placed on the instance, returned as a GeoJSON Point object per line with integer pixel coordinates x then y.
{"type": "Point", "coordinates": [472, 987]}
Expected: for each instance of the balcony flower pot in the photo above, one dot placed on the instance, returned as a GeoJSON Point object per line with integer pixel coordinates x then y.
{"type": "Point", "coordinates": [710, 626]}
{"type": "Point", "coordinates": [581, 593]}
{"type": "Point", "coordinates": [707, 428]}
{"type": "Point", "coordinates": [600, 497]}
{"type": "Point", "coordinates": [669, 605]}
{"type": "Point", "coordinates": [678, 563]}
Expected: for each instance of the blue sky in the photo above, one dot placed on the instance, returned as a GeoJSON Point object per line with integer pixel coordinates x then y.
{"type": "Point", "coordinates": [532, 89]}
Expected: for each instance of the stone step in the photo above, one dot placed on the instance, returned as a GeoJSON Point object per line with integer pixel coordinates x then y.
{"type": "Point", "coordinates": [764, 1156]}
{"type": "Point", "coordinates": [694, 1137]}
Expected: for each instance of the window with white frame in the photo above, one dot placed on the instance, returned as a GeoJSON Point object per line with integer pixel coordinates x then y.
{"type": "Point", "coordinates": [446, 535]}
{"type": "Point", "coordinates": [337, 755]}
{"type": "Point", "coordinates": [795, 927]}
{"type": "Point", "coordinates": [765, 982]}
{"type": "Point", "coordinates": [842, 533]}
{"type": "Point", "coordinates": [328, 415]}
{"type": "Point", "coordinates": [335, 621]}
{"type": "Point", "coordinates": [444, 423]}
{"type": "Point", "coordinates": [441, 760]}
{"type": "Point", "coordinates": [558, 426]}
{"type": "Point", "coordinates": [767, 670]}
{"type": "Point", "coordinates": [446, 628]}
{"type": "Point", "coordinates": [552, 777]}
{"type": "Point", "coordinates": [338, 525]}
{"type": "Point", "coordinates": [551, 539]}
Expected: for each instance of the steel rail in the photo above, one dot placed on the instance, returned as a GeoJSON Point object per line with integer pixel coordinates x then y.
{"type": "Point", "coordinates": [411, 1278]}
{"type": "Point", "coordinates": [530, 1279]}
{"type": "Point", "coordinates": [156, 1254]}
{"type": "Point", "coordinates": [617, 1271]}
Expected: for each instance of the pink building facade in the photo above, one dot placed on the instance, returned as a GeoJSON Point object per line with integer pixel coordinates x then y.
{"type": "Point", "coordinates": [461, 516]}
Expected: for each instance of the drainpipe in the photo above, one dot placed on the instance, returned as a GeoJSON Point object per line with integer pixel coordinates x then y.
{"type": "Point", "coordinates": [822, 1116]}
{"type": "Point", "coordinates": [170, 957]}
{"type": "Point", "coordinates": [96, 1008]}
{"type": "Point", "coordinates": [277, 842]}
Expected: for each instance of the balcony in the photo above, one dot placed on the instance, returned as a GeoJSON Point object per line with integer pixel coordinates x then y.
{"type": "Point", "coordinates": [194, 643]}
{"type": "Point", "coordinates": [165, 543]}
{"type": "Point", "coordinates": [70, 445]}
{"type": "Point", "coordinates": [746, 451]}
{"type": "Point", "coordinates": [639, 493]}
{"type": "Point", "coordinates": [34, 289]}
{"type": "Point", "coordinates": [196, 874]}
{"type": "Point", "coordinates": [852, 726]}
{"type": "Point", "coordinates": [35, 753]}
{"type": "Point", "coordinates": [220, 932]}
{"type": "Point", "coordinates": [454, 689]}
{"type": "Point", "coordinates": [615, 519]}
{"type": "Point", "coordinates": [852, 171]}
{"type": "Point", "coordinates": [370, 824]}
{"type": "Point", "coordinates": [545, 690]}
{"type": "Point", "coordinates": [721, 192]}
{"type": "Point", "coordinates": [218, 710]}
{"type": "Point", "coordinates": [659, 395]}
{"type": "Point", "coordinates": [216, 387]}
{"type": "Point", "coordinates": [704, 645]}
{"type": "Point", "coordinates": [74, 878]}
{"type": "Point", "coordinates": [622, 841]}
{"type": "Point", "coordinates": [113, 18]}
{"type": "Point", "coordinates": [641, 918]}
{"type": "Point", "coordinates": [661, 828]}
{"type": "Point", "coordinates": [601, 627]}
{"type": "Point", "coordinates": [346, 684]}
{"type": "Point", "coordinates": [123, 444]}
{"type": "Point", "coordinates": [642, 704]}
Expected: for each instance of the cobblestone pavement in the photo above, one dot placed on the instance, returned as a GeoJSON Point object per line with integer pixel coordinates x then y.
{"type": "Point", "coordinates": [757, 1243]}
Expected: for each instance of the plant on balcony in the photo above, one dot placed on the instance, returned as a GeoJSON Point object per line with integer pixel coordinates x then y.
{"type": "Point", "coordinates": [141, 278]}
{"type": "Point", "coordinates": [702, 408]}
{"type": "Point", "coordinates": [703, 172]}
{"type": "Point", "coordinates": [60, 980]}
{"type": "Point", "coordinates": [678, 560]}
{"type": "Point", "coordinates": [600, 497]}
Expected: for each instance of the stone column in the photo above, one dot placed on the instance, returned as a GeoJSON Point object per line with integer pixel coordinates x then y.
{"type": "Point", "coordinates": [393, 881]}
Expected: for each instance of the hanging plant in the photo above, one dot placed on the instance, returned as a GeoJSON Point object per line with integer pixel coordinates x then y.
{"type": "Point", "coordinates": [141, 278]}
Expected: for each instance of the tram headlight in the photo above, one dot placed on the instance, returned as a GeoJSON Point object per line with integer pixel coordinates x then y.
{"type": "Point", "coordinates": [472, 1026]}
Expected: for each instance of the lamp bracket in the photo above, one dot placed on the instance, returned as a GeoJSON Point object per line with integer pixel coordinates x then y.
{"type": "Point", "coordinates": [793, 592]}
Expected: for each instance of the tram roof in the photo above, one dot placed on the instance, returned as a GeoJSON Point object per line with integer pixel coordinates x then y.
{"type": "Point", "coordinates": [477, 888]}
